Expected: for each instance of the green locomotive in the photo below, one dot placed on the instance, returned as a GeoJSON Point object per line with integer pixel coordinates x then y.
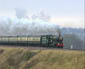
{"type": "Point", "coordinates": [43, 40]}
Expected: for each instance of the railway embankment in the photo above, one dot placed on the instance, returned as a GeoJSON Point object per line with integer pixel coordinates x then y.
{"type": "Point", "coordinates": [25, 58]}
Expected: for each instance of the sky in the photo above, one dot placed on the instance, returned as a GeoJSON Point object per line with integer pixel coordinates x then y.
{"type": "Point", "coordinates": [63, 12]}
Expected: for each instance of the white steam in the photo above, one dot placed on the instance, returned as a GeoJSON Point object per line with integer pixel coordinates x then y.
{"type": "Point", "coordinates": [24, 26]}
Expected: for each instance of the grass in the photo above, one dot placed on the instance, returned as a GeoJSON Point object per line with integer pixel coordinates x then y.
{"type": "Point", "coordinates": [20, 58]}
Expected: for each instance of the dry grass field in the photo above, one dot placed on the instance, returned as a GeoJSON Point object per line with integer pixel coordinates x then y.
{"type": "Point", "coordinates": [22, 58]}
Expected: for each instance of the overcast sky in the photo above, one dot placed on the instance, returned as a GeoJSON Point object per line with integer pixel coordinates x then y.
{"type": "Point", "coordinates": [72, 10]}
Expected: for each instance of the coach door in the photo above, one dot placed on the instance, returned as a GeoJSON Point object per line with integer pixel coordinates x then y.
{"type": "Point", "coordinates": [44, 41]}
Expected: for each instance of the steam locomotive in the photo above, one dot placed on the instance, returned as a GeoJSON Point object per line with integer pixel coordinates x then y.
{"type": "Point", "coordinates": [43, 40]}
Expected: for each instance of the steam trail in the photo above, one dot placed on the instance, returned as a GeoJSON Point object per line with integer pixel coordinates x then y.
{"type": "Point", "coordinates": [24, 26]}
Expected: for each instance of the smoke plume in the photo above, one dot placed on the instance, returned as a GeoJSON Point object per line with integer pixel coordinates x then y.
{"type": "Point", "coordinates": [25, 26]}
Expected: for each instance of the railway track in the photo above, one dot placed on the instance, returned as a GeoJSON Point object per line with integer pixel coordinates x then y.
{"type": "Point", "coordinates": [38, 48]}
{"type": "Point", "coordinates": [28, 47]}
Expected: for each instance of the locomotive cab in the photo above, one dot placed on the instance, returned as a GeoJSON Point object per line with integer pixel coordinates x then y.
{"type": "Point", "coordinates": [56, 41]}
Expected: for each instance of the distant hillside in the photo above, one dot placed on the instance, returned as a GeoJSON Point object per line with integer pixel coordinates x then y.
{"type": "Point", "coordinates": [80, 32]}
{"type": "Point", "coordinates": [19, 58]}
{"type": "Point", "coordinates": [74, 37]}
{"type": "Point", "coordinates": [74, 41]}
